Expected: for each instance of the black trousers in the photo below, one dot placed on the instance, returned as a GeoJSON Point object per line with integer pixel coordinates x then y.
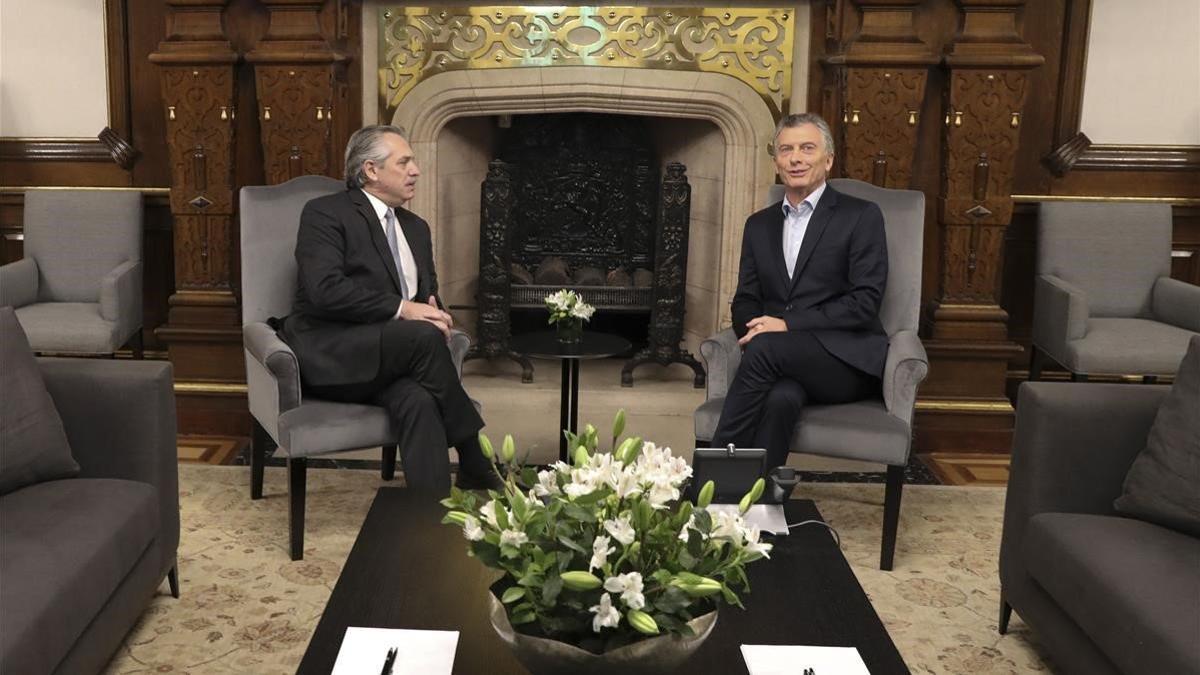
{"type": "Point", "coordinates": [779, 374]}
{"type": "Point", "coordinates": [429, 410]}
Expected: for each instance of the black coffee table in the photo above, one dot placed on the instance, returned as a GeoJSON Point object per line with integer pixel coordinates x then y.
{"type": "Point", "coordinates": [407, 570]}
{"type": "Point", "coordinates": [545, 345]}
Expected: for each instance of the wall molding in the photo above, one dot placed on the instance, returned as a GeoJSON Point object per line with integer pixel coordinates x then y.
{"type": "Point", "coordinates": [1078, 152]}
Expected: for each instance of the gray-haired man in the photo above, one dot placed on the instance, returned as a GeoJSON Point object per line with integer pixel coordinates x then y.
{"type": "Point", "coordinates": [366, 324]}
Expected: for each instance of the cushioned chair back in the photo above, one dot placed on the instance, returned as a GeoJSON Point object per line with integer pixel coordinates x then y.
{"type": "Point", "coordinates": [270, 217]}
{"type": "Point", "coordinates": [78, 236]}
{"type": "Point", "coordinates": [904, 221]}
{"type": "Point", "coordinates": [1112, 252]}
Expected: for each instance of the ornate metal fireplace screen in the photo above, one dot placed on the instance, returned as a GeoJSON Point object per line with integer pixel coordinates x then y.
{"type": "Point", "coordinates": [574, 201]}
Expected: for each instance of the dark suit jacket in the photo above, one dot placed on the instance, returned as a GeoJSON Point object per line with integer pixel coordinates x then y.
{"type": "Point", "coordinates": [348, 287]}
{"type": "Point", "coordinates": [837, 289]}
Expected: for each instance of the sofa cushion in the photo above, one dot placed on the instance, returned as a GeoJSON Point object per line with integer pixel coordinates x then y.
{"type": "Point", "coordinates": [33, 444]}
{"type": "Point", "coordinates": [67, 545]}
{"type": "Point", "coordinates": [1162, 484]}
{"type": "Point", "coordinates": [1130, 585]}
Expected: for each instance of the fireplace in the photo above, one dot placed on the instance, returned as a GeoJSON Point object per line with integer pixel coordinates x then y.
{"type": "Point", "coordinates": [712, 124]}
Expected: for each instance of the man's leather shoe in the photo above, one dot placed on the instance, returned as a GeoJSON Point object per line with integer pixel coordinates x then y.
{"type": "Point", "coordinates": [469, 481]}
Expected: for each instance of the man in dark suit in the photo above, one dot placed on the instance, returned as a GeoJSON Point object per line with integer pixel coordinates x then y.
{"type": "Point", "coordinates": [366, 324]}
{"type": "Point", "coordinates": [806, 309]}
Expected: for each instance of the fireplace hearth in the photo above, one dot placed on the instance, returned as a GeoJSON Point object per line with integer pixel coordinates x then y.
{"type": "Point", "coordinates": [578, 201]}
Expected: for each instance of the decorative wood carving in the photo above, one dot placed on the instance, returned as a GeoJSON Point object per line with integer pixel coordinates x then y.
{"type": "Point", "coordinates": [295, 115]}
{"type": "Point", "coordinates": [881, 74]}
{"type": "Point", "coordinates": [982, 125]}
{"type": "Point", "coordinates": [295, 70]}
{"type": "Point", "coordinates": [1063, 158]}
{"type": "Point", "coordinates": [121, 151]}
{"type": "Point", "coordinates": [882, 108]}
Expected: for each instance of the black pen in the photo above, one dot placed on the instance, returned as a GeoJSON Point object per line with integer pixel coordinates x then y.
{"type": "Point", "coordinates": [387, 663]}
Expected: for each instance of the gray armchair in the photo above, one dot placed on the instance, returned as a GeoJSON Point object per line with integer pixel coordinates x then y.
{"type": "Point", "coordinates": [874, 430]}
{"type": "Point", "coordinates": [78, 290]}
{"type": "Point", "coordinates": [1104, 302]}
{"type": "Point", "coordinates": [300, 426]}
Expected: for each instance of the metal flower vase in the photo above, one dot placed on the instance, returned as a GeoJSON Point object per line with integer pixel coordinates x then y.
{"type": "Point", "coordinates": [652, 656]}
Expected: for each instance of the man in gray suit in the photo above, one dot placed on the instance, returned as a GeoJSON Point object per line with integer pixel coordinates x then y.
{"type": "Point", "coordinates": [366, 324]}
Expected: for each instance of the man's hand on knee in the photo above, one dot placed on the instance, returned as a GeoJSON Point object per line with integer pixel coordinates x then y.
{"type": "Point", "coordinates": [762, 324]}
{"type": "Point", "coordinates": [413, 310]}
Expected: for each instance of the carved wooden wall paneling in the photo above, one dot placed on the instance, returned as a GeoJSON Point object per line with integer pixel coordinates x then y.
{"type": "Point", "coordinates": [881, 111]}
{"type": "Point", "coordinates": [200, 116]}
{"type": "Point", "coordinates": [296, 117]}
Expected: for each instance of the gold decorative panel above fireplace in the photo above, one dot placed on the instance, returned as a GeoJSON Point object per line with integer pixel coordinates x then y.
{"type": "Point", "coordinates": [753, 45]}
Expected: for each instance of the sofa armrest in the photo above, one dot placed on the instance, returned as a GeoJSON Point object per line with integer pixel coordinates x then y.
{"type": "Point", "coordinates": [1177, 303]}
{"type": "Point", "coordinates": [460, 342]}
{"type": "Point", "coordinates": [120, 421]}
{"type": "Point", "coordinates": [1072, 446]}
{"type": "Point", "coordinates": [721, 354]}
{"type": "Point", "coordinates": [272, 375]}
{"type": "Point", "coordinates": [121, 297]}
{"type": "Point", "coordinates": [18, 283]}
{"type": "Point", "coordinates": [906, 367]}
{"type": "Point", "coordinates": [1060, 314]}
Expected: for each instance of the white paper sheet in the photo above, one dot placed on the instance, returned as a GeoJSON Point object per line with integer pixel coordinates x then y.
{"type": "Point", "coordinates": [421, 652]}
{"type": "Point", "coordinates": [768, 517]}
{"type": "Point", "coordinates": [793, 659]}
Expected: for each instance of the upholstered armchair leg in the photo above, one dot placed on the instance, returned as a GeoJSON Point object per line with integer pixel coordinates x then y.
{"type": "Point", "coordinates": [388, 470]}
{"type": "Point", "coordinates": [891, 515]}
{"type": "Point", "coordinates": [1005, 615]}
{"type": "Point", "coordinates": [296, 489]}
{"type": "Point", "coordinates": [1079, 377]}
{"type": "Point", "coordinates": [173, 580]}
{"type": "Point", "coordinates": [1037, 359]}
{"type": "Point", "coordinates": [258, 459]}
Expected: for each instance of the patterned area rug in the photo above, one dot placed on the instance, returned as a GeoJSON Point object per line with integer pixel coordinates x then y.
{"type": "Point", "coordinates": [246, 608]}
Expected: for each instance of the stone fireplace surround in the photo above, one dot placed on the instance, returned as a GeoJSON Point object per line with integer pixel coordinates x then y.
{"type": "Point", "coordinates": [715, 125]}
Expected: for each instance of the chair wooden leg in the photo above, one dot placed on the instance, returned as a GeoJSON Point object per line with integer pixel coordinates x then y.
{"type": "Point", "coordinates": [1037, 359]}
{"type": "Point", "coordinates": [137, 345]}
{"type": "Point", "coordinates": [296, 488]}
{"type": "Point", "coordinates": [1149, 379]}
{"type": "Point", "coordinates": [891, 515]}
{"type": "Point", "coordinates": [258, 459]}
{"type": "Point", "coordinates": [1005, 614]}
{"type": "Point", "coordinates": [173, 581]}
{"type": "Point", "coordinates": [388, 470]}
{"type": "Point", "coordinates": [1078, 377]}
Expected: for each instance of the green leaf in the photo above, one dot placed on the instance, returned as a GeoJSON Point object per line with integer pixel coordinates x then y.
{"type": "Point", "coordinates": [501, 516]}
{"type": "Point", "coordinates": [512, 595]}
{"type": "Point", "coordinates": [551, 589]}
{"type": "Point", "coordinates": [523, 617]}
{"type": "Point", "coordinates": [572, 545]}
{"type": "Point", "coordinates": [672, 600]}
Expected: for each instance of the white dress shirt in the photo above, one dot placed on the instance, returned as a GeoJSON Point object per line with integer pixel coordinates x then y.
{"type": "Point", "coordinates": [406, 257]}
{"type": "Point", "coordinates": [795, 224]}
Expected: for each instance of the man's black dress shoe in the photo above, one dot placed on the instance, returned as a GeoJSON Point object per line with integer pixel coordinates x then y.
{"type": "Point", "coordinates": [488, 481]}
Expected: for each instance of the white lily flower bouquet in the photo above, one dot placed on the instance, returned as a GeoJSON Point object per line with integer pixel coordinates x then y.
{"type": "Point", "coordinates": [602, 552]}
{"type": "Point", "coordinates": [565, 305]}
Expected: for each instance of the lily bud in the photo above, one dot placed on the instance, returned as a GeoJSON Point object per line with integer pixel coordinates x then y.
{"type": "Point", "coordinates": [485, 445]}
{"type": "Point", "coordinates": [701, 588]}
{"type": "Point", "coordinates": [508, 449]}
{"type": "Point", "coordinates": [456, 517]}
{"type": "Point", "coordinates": [619, 424]}
{"type": "Point", "coordinates": [642, 622]}
{"type": "Point", "coordinates": [706, 495]}
{"type": "Point", "coordinates": [581, 456]}
{"type": "Point", "coordinates": [581, 581]}
{"type": "Point", "coordinates": [752, 496]}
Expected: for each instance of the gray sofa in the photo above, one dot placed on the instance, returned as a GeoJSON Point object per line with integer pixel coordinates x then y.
{"type": "Point", "coordinates": [1103, 592]}
{"type": "Point", "coordinates": [80, 557]}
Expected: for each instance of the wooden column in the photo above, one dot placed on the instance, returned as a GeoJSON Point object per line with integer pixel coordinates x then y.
{"type": "Point", "coordinates": [202, 332]}
{"type": "Point", "coordinates": [881, 75]}
{"type": "Point", "coordinates": [964, 403]}
{"type": "Point", "coordinates": [296, 74]}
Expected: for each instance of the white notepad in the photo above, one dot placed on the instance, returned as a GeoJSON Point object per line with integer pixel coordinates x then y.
{"type": "Point", "coordinates": [793, 659]}
{"type": "Point", "coordinates": [423, 652]}
{"type": "Point", "coordinates": [768, 517]}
